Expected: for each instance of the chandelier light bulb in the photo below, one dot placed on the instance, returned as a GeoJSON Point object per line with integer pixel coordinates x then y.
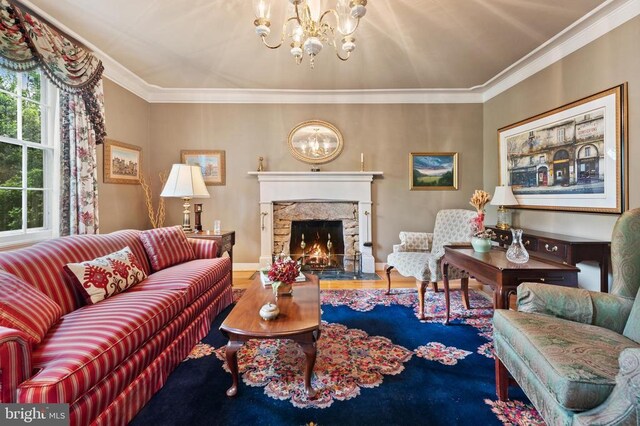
{"type": "Point", "coordinates": [262, 8]}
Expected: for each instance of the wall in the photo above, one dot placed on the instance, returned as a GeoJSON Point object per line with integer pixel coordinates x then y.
{"type": "Point", "coordinates": [607, 62]}
{"type": "Point", "coordinates": [385, 133]}
{"type": "Point", "coordinates": [127, 120]}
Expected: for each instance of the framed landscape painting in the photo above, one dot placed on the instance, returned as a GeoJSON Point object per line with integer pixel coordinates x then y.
{"type": "Point", "coordinates": [211, 162]}
{"type": "Point", "coordinates": [122, 162]}
{"type": "Point", "coordinates": [433, 171]}
{"type": "Point", "coordinates": [571, 158]}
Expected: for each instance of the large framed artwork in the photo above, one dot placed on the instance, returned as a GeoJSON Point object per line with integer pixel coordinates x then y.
{"type": "Point", "coordinates": [433, 170]}
{"type": "Point", "coordinates": [211, 162]}
{"type": "Point", "coordinates": [122, 162]}
{"type": "Point", "coordinates": [572, 158]}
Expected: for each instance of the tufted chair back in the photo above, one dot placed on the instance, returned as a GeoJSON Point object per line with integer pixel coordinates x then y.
{"type": "Point", "coordinates": [625, 263]}
{"type": "Point", "coordinates": [452, 226]}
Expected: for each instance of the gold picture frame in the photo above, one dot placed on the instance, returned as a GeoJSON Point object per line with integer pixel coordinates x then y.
{"type": "Point", "coordinates": [433, 171]}
{"type": "Point", "coordinates": [211, 162]}
{"type": "Point", "coordinates": [315, 142]}
{"type": "Point", "coordinates": [572, 158]}
{"type": "Point", "coordinates": [122, 162]}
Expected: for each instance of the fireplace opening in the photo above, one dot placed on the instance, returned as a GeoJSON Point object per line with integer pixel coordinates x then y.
{"type": "Point", "coordinates": [317, 244]}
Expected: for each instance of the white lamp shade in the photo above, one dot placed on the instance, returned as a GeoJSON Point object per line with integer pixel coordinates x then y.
{"type": "Point", "coordinates": [503, 196]}
{"type": "Point", "coordinates": [185, 182]}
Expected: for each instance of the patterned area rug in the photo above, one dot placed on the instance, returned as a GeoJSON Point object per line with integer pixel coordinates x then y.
{"type": "Point", "coordinates": [376, 364]}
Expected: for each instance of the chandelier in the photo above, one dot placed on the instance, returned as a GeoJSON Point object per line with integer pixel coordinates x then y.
{"type": "Point", "coordinates": [307, 26]}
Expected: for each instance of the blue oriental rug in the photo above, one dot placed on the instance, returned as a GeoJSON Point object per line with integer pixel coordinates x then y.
{"type": "Point", "coordinates": [377, 364]}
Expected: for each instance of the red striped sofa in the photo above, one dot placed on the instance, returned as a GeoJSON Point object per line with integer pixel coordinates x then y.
{"type": "Point", "coordinates": [106, 360]}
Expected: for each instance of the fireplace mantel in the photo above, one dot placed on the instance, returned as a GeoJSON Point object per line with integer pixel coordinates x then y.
{"type": "Point", "coordinates": [316, 186]}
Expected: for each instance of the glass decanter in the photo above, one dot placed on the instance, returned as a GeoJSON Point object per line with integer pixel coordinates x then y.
{"type": "Point", "coordinates": [516, 252]}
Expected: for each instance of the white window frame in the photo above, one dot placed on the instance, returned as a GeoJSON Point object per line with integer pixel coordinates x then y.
{"type": "Point", "coordinates": [50, 144]}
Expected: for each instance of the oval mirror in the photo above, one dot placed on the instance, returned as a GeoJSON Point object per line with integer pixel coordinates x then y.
{"type": "Point", "coordinates": [315, 142]}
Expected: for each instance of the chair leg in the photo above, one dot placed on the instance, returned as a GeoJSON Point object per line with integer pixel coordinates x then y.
{"type": "Point", "coordinates": [435, 286]}
{"type": "Point", "coordinates": [502, 380]}
{"type": "Point", "coordinates": [389, 268]}
{"type": "Point", "coordinates": [422, 287]}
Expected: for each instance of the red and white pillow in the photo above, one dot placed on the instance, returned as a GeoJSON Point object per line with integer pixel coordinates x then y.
{"type": "Point", "coordinates": [23, 307]}
{"type": "Point", "coordinates": [166, 247]}
{"type": "Point", "coordinates": [105, 276]}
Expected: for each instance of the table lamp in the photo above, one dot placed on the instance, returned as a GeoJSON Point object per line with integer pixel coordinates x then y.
{"type": "Point", "coordinates": [503, 196]}
{"type": "Point", "coordinates": [185, 182]}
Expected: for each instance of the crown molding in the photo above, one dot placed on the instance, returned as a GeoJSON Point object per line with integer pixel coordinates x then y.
{"type": "Point", "coordinates": [605, 18]}
{"type": "Point", "coordinates": [608, 16]}
{"type": "Point", "coordinates": [268, 96]}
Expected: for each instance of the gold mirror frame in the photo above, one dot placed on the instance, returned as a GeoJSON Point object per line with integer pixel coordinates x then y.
{"type": "Point", "coordinates": [328, 142]}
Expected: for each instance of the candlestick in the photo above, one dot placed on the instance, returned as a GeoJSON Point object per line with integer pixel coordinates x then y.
{"type": "Point", "coordinates": [362, 161]}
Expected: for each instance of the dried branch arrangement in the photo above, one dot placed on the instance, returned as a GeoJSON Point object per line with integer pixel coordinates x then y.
{"type": "Point", "coordinates": [155, 216]}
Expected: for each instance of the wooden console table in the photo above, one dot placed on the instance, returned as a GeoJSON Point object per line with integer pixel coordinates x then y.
{"type": "Point", "coordinates": [563, 248]}
{"type": "Point", "coordinates": [493, 268]}
{"type": "Point", "coordinates": [225, 240]}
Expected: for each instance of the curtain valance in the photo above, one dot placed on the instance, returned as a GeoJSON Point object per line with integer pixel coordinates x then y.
{"type": "Point", "coordinates": [27, 42]}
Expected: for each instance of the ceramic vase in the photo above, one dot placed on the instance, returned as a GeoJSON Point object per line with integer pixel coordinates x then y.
{"type": "Point", "coordinates": [283, 289]}
{"type": "Point", "coordinates": [481, 245]}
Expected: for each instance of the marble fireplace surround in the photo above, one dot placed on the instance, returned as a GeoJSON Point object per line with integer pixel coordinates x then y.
{"type": "Point", "coordinates": [316, 187]}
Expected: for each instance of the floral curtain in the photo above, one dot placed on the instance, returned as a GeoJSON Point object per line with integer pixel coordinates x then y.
{"type": "Point", "coordinates": [27, 42]}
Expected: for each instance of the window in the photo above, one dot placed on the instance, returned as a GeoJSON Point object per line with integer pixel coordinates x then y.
{"type": "Point", "coordinates": [28, 157]}
{"type": "Point", "coordinates": [561, 134]}
{"type": "Point", "coordinates": [587, 151]}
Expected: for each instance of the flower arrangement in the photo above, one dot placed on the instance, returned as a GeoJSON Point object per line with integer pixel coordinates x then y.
{"type": "Point", "coordinates": [479, 199]}
{"type": "Point", "coordinates": [283, 270]}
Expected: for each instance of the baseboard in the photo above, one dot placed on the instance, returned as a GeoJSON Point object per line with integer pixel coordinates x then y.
{"type": "Point", "coordinates": [246, 266]}
{"type": "Point", "coordinates": [256, 266]}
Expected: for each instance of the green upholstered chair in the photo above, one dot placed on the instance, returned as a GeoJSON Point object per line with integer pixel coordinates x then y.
{"type": "Point", "coordinates": [576, 353]}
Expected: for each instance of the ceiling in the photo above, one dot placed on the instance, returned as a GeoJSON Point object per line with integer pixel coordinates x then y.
{"type": "Point", "coordinates": [401, 44]}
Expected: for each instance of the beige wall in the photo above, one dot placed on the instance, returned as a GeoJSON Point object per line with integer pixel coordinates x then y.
{"type": "Point", "coordinates": [610, 60]}
{"type": "Point", "coordinates": [127, 120]}
{"type": "Point", "coordinates": [385, 133]}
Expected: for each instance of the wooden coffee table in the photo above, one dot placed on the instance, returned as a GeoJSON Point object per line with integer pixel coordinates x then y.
{"type": "Point", "coordinates": [493, 268]}
{"type": "Point", "coordinates": [299, 320]}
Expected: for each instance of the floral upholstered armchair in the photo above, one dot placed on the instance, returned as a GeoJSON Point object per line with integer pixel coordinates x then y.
{"type": "Point", "coordinates": [576, 353]}
{"type": "Point", "coordinates": [418, 254]}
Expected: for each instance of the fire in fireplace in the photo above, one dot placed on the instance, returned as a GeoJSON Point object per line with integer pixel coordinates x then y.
{"type": "Point", "coordinates": [317, 244]}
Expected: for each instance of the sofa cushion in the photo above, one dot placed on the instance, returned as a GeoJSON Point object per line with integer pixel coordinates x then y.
{"type": "Point", "coordinates": [23, 307]}
{"type": "Point", "coordinates": [41, 265]}
{"type": "Point", "coordinates": [577, 363]}
{"type": "Point", "coordinates": [87, 344]}
{"type": "Point", "coordinates": [196, 277]}
{"type": "Point", "coordinates": [105, 276]}
{"type": "Point", "coordinates": [166, 247]}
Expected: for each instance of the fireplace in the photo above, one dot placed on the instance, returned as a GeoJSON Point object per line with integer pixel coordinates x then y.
{"type": "Point", "coordinates": [317, 244]}
{"type": "Point", "coordinates": [344, 196]}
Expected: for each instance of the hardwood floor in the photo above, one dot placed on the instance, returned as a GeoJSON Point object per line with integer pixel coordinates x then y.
{"type": "Point", "coordinates": [242, 279]}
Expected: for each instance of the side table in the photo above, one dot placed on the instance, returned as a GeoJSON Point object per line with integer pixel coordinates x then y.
{"type": "Point", "coordinates": [225, 240]}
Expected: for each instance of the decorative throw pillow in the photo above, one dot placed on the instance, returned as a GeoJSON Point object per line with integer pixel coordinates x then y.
{"type": "Point", "coordinates": [23, 307]}
{"type": "Point", "coordinates": [105, 276]}
{"type": "Point", "coordinates": [166, 247]}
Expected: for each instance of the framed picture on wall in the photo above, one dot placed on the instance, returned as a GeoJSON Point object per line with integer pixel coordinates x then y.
{"type": "Point", "coordinates": [433, 170]}
{"type": "Point", "coordinates": [122, 162]}
{"type": "Point", "coordinates": [211, 162]}
{"type": "Point", "coordinates": [571, 158]}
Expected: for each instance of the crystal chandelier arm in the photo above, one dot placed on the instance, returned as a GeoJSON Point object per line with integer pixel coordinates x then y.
{"type": "Point", "coordinates": [282, 36]}
{"type": "Point", "coordinates": [340, 57]}
{"type": "Point", "coordinates": [337, 16]}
